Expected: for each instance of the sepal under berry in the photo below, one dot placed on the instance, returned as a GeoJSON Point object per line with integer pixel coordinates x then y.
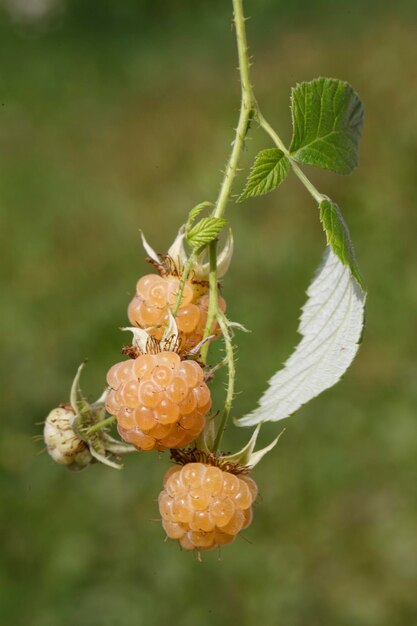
{"type": "Point", "coordinates": [202, 269]}
{"type": "Point", "coordinates": [87, 417]}
{"type": "Point", "coordinates": [247, 455]}
{"type": "Point", "coordinates": [179, 257]}
{"type": "Point", "coordinates": [143, 340]}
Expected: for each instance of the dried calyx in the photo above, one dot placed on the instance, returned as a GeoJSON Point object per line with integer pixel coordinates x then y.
{"type": "Point", "coordinates": [176, 258]}
{"type": "Point", "coordinates": [241, 462]}
{"type": "Point", "coordinates": [196, 455]}
{"type": "Point", "coordinates": [145, 342]}
{"type": "Point", "coordinates": [74, 434]}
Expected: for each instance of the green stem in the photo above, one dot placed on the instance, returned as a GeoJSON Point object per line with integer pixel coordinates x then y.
{"type": "Point", "coordinates": [213, 300]}
{"type": "Point", "coordinates": [231, 378]}
{"type": "Point", "coordinates": [247, 106]}
{"type": "Point", "coordinates": [107, 422]}
{"type": "Point", "coordinates": [246, 110]}
{"type": "Point", "coordinates": [185, 272]}
{"type": "Point", "coordinates": [218, 366]}
{"type": "Point", "coordinates": [120, 448]}
{"type": "Point", "coordinates": [279, 143]}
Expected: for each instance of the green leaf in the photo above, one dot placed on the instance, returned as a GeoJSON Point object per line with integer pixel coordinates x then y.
{"type": "Point", "coordinates": [205, 231]}
{"type": "Point", "coordinates": [327, 124]}
{"type": "Point", "coordinates": [338, 237]}
{"type": "Point", "coordinates": [195, 212]}
{"type": "Point", "coordinates": [267, 173]}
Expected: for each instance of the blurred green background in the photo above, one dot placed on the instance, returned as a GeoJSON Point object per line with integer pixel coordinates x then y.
{"type": "Point", "coordinates": [117, 116]}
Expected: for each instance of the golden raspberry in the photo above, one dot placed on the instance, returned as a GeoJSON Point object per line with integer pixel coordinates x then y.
{"type": "Point", "coordinates": [159, 400]}
{"type": "Point", "coordinates": [203, 506]}
{"type": "Point", "coordinates": [155, 293]}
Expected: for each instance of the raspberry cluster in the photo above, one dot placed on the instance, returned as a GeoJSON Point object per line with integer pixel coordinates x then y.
{"type": "Point", "coordinates": [159, 400]}
{"type": "Point", "coordinates": [154, 294]}
{"type": "Point", "coordinates": [203, 506]}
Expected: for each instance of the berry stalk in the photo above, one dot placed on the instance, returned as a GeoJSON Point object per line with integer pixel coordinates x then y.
{"type": "Point", "coordinates": [187, 267]}
{"type": "Point", "coordinates": [213, 309]}
{"type": "Point", "coordinates": [100, 425]}
{"type": "Point", "coordinates": [231, 379]}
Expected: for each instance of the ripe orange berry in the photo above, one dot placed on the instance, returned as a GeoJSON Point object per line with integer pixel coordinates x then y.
{"type": "Point", "coordinates": [159, 401]}
{"type": "Point", "coordinates": [203, 506]}
{"type": "Point", "coordinates": [155, 293]}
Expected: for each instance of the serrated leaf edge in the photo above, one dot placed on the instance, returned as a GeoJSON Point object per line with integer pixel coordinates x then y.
{"type": "Point", "coordinates": [279, 172]}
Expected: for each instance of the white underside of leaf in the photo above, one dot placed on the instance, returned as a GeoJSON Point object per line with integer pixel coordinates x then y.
{"type": "Point", "coordinates": [331, 326]}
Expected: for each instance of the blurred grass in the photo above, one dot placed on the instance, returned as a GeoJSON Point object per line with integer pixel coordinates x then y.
{"type": "Point", "coordinates": [115, 117]}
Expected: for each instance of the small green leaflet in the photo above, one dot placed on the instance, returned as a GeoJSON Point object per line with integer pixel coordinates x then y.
{"type": "Point", "coordinates": [195, 212]}
{"type": "Point", "coordinates": [327, 119]}
{"type": "Point", "coordinates": [205, 231]}
{"type": "Point", "coordinates": [267, 173]}
{"type": "Point", "coordinates": [338, 237]}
